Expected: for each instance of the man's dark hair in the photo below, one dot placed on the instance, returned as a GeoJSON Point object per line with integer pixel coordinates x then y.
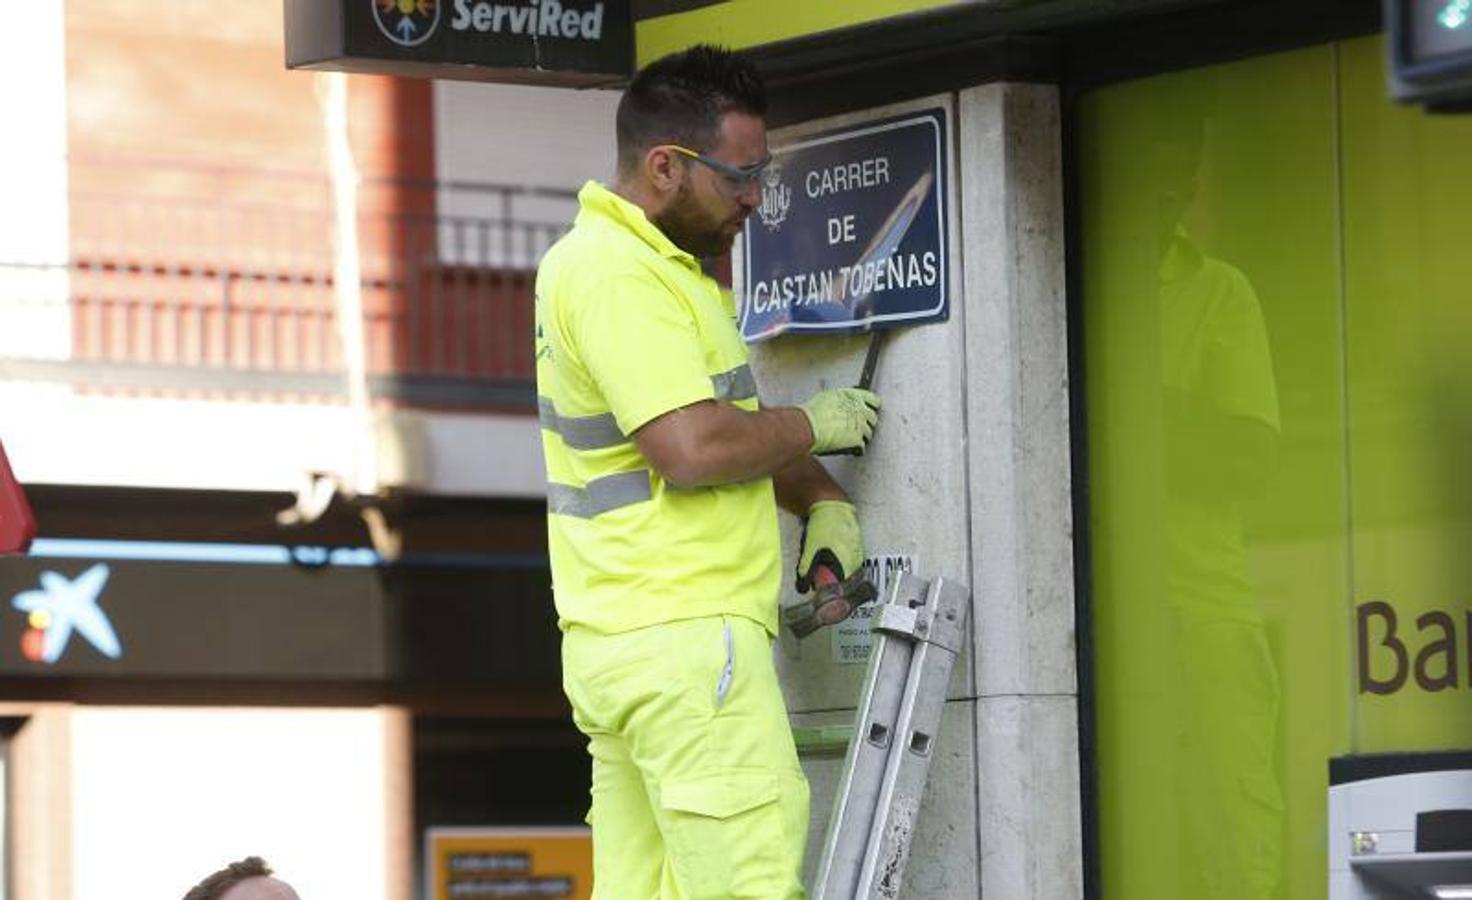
{"type": "Point", "coordinates": [680, 99]}
{"type": "Point", "coordinates": [215, 886]}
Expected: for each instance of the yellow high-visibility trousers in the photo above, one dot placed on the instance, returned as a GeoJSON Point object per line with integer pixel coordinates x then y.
{"type": "Point", "coordinates": [697, 793]}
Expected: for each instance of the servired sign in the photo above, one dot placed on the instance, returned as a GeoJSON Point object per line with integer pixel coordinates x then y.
{"type": "Point", "coordinates": [556, 42]}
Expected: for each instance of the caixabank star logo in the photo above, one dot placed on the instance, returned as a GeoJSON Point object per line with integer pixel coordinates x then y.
{"type": "Point", "coordinates": [62, 606]}
{"type": "Point", "coordinates": [407, 23]}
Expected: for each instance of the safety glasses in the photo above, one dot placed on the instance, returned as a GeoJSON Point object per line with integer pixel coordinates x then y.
{"type": "Point", "coordinates": [737, 178]}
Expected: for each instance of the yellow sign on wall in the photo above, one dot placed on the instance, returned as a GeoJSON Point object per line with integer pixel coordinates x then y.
{"type": "Point", "coordinates": [743, 24]}
{"type": "Point", "coordinates": [508, 864]}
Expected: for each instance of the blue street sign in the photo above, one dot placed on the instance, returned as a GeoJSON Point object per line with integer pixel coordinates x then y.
{"type": "Point", "coordinates": [852, 232]}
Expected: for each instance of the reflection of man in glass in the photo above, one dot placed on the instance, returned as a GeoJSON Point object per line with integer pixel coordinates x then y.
{"type": "Point", "coordinates": [1220, 431]}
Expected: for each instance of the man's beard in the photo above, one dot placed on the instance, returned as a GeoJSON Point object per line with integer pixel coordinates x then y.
{"type": "Point", "coordinates": [682, 223]}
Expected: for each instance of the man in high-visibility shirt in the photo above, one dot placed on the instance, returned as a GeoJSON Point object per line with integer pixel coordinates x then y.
{"type": "Point", "coordinates": [664, 477]}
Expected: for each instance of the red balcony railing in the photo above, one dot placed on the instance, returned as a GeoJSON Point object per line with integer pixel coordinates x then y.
{"type": "Point", "coordinates": [234, 296]}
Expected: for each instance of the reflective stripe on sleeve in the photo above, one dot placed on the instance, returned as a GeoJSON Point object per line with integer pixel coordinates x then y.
{"type": "Point", "coordinates": [595, 432]}
{"type": "Point", "coordinates": [737, 384]}
{"type": "Point", "coordinates": [601, 431]}
{"type": "Point", "coordinates": [600, 496]}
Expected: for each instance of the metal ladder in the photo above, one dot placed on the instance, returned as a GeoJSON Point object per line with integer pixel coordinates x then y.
{"type": "Point", "coordinates": [920, 627]}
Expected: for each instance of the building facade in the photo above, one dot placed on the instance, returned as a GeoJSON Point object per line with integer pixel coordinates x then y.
{"type": "Point", "coordinates": [265, 372]}
{"type": "Point", "coordinates": [1190, 433]}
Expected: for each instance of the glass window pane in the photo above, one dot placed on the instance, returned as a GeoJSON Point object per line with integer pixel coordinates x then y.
{"type": "Point", "coordinates": [1213, 333]}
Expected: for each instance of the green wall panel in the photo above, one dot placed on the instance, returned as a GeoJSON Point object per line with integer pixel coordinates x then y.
{"type": "Point", "coordinates": [1214, 362]}
{"type": "Point", "coordinates": [1408, 287]}
{"type": "Point", "coordinates": [1277, 297]}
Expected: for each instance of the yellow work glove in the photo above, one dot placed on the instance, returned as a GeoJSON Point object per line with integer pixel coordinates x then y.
{"type": "Point", "coordinates": [842, 419]}
{"type": "Point", "coordinates": [831, 540]}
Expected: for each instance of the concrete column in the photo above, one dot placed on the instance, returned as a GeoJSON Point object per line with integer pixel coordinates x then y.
{"type": "Point", "coordinates": [399, 838]}
{"type": "Point", "coordinates": [1018, 451]}
{"type": "Point", "coordinates": [969, 474]}
{"type": "Point", "coordinates": [39, 782]}
{"type": "Point", "coordinates": [910, 490]}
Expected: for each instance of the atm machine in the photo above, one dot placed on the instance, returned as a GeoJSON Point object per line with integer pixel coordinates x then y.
{"type": "Point", "coordinates": [1400, 827]}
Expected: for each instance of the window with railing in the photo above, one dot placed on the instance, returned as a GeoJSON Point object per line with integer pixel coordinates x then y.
{"type": "Point", "coordinates": [221, 284]}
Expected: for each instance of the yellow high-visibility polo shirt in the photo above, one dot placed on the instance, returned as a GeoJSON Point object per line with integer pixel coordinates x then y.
{"type": "Point", "coordinates": [630, 328]}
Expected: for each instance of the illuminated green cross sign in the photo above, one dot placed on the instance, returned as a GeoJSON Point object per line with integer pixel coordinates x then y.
{"type": "Point", "coordinates": [1456, 14]}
